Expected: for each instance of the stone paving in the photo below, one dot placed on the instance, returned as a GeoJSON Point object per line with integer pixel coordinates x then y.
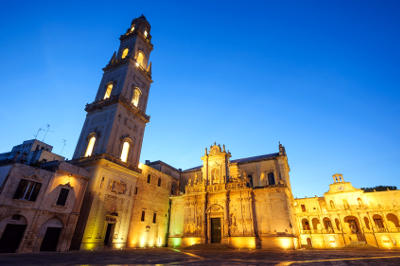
{"type": "Point", "coordinates": [206, 256]}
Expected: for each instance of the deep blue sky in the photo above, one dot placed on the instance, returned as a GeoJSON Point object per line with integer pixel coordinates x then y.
{"type": "Point", "coordinates": [322, 77]}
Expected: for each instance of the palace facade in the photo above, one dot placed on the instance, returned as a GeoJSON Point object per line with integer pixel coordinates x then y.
{"type": "Point", "coordinates": [105, 198]}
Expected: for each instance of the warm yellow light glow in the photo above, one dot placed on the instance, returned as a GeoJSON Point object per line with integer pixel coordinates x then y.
{"type": "Point", "coordinates": [125, 151]}
{"type": "Point", "coordinates": [243, 242]}
{"type": "Point", "coordinates": [90, 146]}
{"type": "Point", "coordinates": [136, 97]}
{"type": "Point", "coordinates": [386, 242]}
{"type": "Point", "coordinates": [140, 59]}
{"type": "Point", "coordinates": [190, 241]}
{"type": "Point", "coordinates": [145, 33]}
{"type": "Point", "coordinates": [124, 53]}
{"type": "Point", "coordinates": [140, 166]}
{"type": "Point", "coordinates": [119, 245]}
{"type": "Point", "coordinates": [108, 91]}
{"type": "Point", "coordinates": [132, 28]}
{"type": "Point", "coordinates": [159, 242]}
{"type": "Point", "coordinates": [286, 242]}
{"type": "Point", "coordinates": [142, 242]}
{"type": "Point", "coordinates": [89, 246]}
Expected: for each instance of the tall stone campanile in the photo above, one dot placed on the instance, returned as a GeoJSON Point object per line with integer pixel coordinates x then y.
{"type": "Point", "coordinates": [110, 143]}
{"type": "Point", "coordinates": [116, 120]}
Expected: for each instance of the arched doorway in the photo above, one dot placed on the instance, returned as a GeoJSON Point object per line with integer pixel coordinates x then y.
{"type": "Point", "coordinates": [51, 231]}
{"type": "Point", "coordinates": [393, 221]}
{"type": "Point", "coordinates": [305, 224]}
{"type": "Point", "coordinates": [14, 229]}
{"type": "Point", "coordinates": [328, 225]}
{"type": "Point", "coordinates": [354, 227]}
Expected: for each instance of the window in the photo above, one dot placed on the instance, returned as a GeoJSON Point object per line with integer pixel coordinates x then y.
{"type": "Point", "coordinates": [125, 53]}
{"type": "Point", "coordinates": [27, 190]}
{"type": "Point", "coordinates": [136, 97]}
{"type": "Point", "coordinates": [108, 91]}
{"type": "Point", "coordinates": [136, 190]}
{"type": "Point", "coordinates": [143, 216]}
{"type": "Point", "coordinates": [148, 179]}
{"type": "Point", "coordinates": [159, 182]}
{"type": "Point", "coordinates": [303, 208]}
{"type": "Point", "coordinates": [132, 28]}
{"type": "Point", "coordinates": [366, 221]}
{"type": "Point", "coordinates": [62, 197]}
{"type": "Point", "coordinates": [90, 146]}
{"type": "Point", "coordinates": [249, 181]}
{"type": "Point", "coordinates": [332, 204]}
{"type": "Point", "coordinates": [271, 179]}
{"type": "Point", "coordinates": [140, 60]}
{"type": "Point", "coordinates": [378, 221]}
{"type": "Point", "coordinates": [145, 33]}
{"type": "Point", "coordinates": [337, 223]}
{"type": "Point", "coordinates": [154, 218]}
{"type": "Point", "coordinates": [125, 151]}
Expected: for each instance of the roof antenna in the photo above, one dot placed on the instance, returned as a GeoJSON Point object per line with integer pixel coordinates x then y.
{"type": "Point", "coordinates": [64, 141]}
{"type": "Point", "coordinates": [47, 131]}
{"type": "Point", "coordinates": [37, 133]}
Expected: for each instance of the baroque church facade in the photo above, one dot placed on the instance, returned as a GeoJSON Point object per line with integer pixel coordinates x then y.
{"type": "Point", "coordinates": [105, 198]}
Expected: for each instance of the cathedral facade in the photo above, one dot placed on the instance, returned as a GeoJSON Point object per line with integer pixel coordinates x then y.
{"type": "Point", "coordinates": [122, 203]}
{"type": "Point", "coordinates": [245, 203]}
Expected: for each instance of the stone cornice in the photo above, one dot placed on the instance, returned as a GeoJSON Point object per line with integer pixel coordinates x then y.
{"type": "Point", "coordinates": [114, 63]}
{"type": "Point", "coordinates": [94, 158]}
{"type": "Point", "coordinates": [121, 100]}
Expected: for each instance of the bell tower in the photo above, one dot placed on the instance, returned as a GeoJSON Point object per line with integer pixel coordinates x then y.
{"type": "Point", "coordinates": [116, 119]}
{"type": "Point", "coordinates": [110, 142]}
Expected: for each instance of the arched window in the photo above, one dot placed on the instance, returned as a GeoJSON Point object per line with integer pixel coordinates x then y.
{"type": "Point", "coordinates": [306, 224]}
{"type": "Point", "coordinates": [90, 146]}
{"type": "Point", "coordinates": [315, 223]}
{"type": "Point", "coordinates": [136, 97]}
{"type": "Point", "coordinates": [108, 91]}
{"type": "Point", "coordinates": [125, 53]}
{"type": "Point", "coordinates": [366, 222]}
{"type": "Point", "coordinates": [328, 224]}
{"type": "Point", "coordinates": [271, 179]}
{"type": "Point", "coordinates": [125, 151]}
{"type": "Point", "coordinates": [378, 221]}
{"type": "Point", "coordinates": [332, 204]}
{"type": "Point", "coordinates": [140, 59]}
{"type": "Point", "coordinates": [159, 182]}
{"type": "Point", "coordinates": [337, 223]}
{"type": "Point", "coordinates": [392, 218]}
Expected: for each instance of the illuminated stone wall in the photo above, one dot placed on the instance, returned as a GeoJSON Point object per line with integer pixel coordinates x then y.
{"type": "Point", "coordinates": [43, 212]}
{"type": "Point", "coordinates": [254, 211]}
{"type": "Point", "coordinates": [347, 216]}
{"type": "Point", "coordinates": [109, 200]}
{"type": "Point", "coordinates": [151, 197]}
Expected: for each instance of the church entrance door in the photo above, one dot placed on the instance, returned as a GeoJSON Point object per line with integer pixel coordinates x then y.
{"type": "Point", "coordinates": [215, 230]}
{"type": "Point", "coordinates": [109, 234]}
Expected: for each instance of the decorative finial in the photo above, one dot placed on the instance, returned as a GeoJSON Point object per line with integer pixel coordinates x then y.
{"type": "Point", "coordinates": [223, 147]}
